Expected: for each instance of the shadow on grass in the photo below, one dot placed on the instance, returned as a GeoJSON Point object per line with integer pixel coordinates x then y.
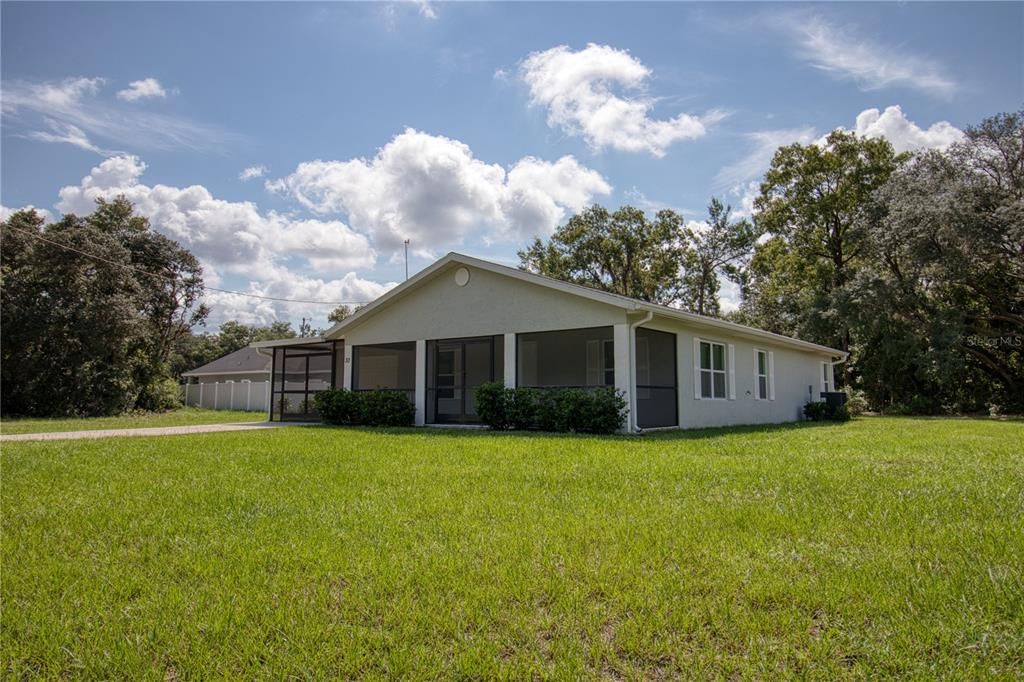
{"type": "Point", "coordinates": [647, 436]}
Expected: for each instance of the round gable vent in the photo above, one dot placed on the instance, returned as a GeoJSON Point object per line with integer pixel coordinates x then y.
{"type": "Point", "coordinates": [462, 277]}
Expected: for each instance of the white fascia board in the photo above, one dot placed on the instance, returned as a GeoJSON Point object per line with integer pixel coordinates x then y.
{"type": "Point", "coordinates": [741, 329]}
{"type": "Point", "coordinates": [278, 343]}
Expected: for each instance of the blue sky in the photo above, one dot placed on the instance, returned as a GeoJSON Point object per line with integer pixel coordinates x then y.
{"type": "Point", "coordinates": [465, 126]}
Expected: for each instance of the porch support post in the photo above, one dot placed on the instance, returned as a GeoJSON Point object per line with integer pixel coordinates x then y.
{"type": "Point", "coordinates": [346, 371]}
{"type": "Point", "coordinates": [623, 371]}
{"type": "Point", "coordinates": [421, 382]}
{"type": "Point", "coordinates": [510, 361]}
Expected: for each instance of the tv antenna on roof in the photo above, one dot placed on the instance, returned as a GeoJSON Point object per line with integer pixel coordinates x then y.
{"type": "Point", "coordinates": [407, 259]}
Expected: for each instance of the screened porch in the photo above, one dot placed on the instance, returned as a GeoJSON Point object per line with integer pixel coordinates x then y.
{"type": "Point", "coordinates": [300, 370]}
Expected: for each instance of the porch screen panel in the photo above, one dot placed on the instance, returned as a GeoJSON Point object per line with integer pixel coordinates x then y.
{"type": "Point", "coordinates": [390, 367]}
{"type": "Point", "coordinates": [300, 371]}
{"type": "Point", "coordinates": [656, 379]}
{"type": "Point", "coordinates": [582, 358]}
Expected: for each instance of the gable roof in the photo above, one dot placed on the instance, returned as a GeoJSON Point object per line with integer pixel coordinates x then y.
{"type": "Point", "coordinates": [243, 361]}
{"type": "Point", "coordinates": [624, 302]}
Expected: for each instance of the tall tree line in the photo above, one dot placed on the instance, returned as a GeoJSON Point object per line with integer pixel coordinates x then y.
{"type": "Point", "coordinates": [92, 310]}
{"type": "Point", "coordinates": [912, 263]}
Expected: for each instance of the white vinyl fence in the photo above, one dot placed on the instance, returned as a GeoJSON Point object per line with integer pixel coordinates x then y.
{"type": "Point", "coordinates": [229, 395]}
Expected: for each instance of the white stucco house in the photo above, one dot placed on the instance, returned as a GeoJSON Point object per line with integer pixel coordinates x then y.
{"type": "Point", "coordinates": [463, 322]}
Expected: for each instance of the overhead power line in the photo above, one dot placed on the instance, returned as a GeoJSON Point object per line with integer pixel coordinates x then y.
{"type": "Point", "coordinates": [170, 278]}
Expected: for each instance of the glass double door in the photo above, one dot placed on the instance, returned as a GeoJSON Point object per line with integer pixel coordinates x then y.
{"type": "Point", "coordinates": [460, 366]}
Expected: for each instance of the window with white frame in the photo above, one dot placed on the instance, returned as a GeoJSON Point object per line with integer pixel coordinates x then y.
{"type": "Point", "coordinates": [712, 370]}
{"type": "Point", "coordinates": [826, 377]}
{"type": "Point", "coordinates": [762, 375]}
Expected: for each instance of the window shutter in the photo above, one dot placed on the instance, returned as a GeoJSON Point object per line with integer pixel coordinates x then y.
{"type": "Point", "coordinates": [823, 377]}
{"type": "Point", "coordinates": [732, 372]}
{"type": "Point", "coordinates": [757, 374]}
{"type": "Point", "coordinates": [771, 375]}
{"type": "Point", "coordinates": [696, 368]}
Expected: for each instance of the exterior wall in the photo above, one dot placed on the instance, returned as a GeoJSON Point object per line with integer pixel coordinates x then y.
{"type": "Point", "coordinates": [492, 304]}
{"type": "Point", "coordinates": [795, 370]}
{"type": "Point", "coordinates": [489, 304]}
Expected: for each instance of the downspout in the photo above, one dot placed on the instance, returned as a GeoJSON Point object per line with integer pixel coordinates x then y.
{"type": "Point", "coordinates": [834, 363]}
{"type": "Point", "coordinates": [633, 428]}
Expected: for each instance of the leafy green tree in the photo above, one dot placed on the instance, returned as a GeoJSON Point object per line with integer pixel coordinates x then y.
{"type": "Point", "coordinates": [816, 201]}
{"type": "Point", "coordinates": [275, 330]}
{"type": "Point", "coordinates": [233, 335]}
{"type": "Point", "coordinates": [949, 273]}
{"type": "Point", "coordinates": [169, 300]}
{"type": "Point", "coordinates": [339, 314]}
{"type": "Point", "coordinates": [721, 249]}
{"type": "Point", "coordinates": [92, 309]}
{"type": "Point", "coordinates": [622, 252]}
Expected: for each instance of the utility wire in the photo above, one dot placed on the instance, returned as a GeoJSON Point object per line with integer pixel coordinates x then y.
{"type": "Point", "coordinates": [170, 278]}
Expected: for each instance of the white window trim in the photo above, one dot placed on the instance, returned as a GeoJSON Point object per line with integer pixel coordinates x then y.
{"type": "Point", "coordinates": [825, 378]}
{"type": "Point", "coordinates": [769, 374]}
{"type": "Point", "coordinates": [729, 372]}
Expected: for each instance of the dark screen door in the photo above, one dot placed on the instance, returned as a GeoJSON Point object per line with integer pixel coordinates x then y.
{"type": "Point", "coordinates": [460, 367]}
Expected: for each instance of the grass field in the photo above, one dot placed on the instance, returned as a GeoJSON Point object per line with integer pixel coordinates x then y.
{"type": "Point", "coordinates": [185, 416]}
{"type": "Point", "coordinates": [882, 547]}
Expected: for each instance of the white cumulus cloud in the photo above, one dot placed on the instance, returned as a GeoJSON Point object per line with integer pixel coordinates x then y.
{"type": "Point", "coordinates": [281, 282]}
{"type": "Point", "coordinates": [234, 236]}
{"type": "Point", "coordinates": [6, 212]}
{"type": "Point", "coordinates": [252, 172]}
{"type": "Point", "coordinates": [277, 255]}
{"type": "Point", "coordinates": [578, 90]}
{"type": "Point", "coordinates": [431, 189]}
{"type": "Point", "coordinates": [136, 90]}
{"type": "Point", "coordinates": [904, 134]}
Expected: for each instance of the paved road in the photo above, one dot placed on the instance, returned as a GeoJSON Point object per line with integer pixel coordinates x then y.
{"type": "Point", "coordinates": [156, 431]}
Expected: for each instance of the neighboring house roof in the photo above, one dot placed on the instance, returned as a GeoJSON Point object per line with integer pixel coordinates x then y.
{"type": "Point", "coordinates": [243, 361]}
{"type": "Point", "coordinates": [628, 304]}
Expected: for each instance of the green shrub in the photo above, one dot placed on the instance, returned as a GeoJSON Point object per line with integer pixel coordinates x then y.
{"type": "Point", "coordinates": [521, 408]}
{"type": "Point", "coordinates": [160, 396]}
{"type": "Point", "coordinates": [815, 410]}
{"type": "Point", "coordinates": [601, 410]}
{"type": "Point", "coordinates": [607, 412]}
{"type": "Point", "coordinates": [369, 408]}
{"type": "Point", "coordinates": [492, 405]}
{"type": "Point", "coordinates": [856, 402]}
{"type": "Point", "coordinates": [818, 411]}
{"type": "Point", "coordinates": [386, 408]}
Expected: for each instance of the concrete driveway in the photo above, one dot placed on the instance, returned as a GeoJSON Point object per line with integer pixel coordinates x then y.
{"type": "Point", "coordinates": [155, 431]}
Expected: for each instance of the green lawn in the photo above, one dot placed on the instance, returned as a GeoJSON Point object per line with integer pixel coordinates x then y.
{"type": "Point", "coordinates": [185, 416]}
{"type": "Point", "coordinates": [882, 547]}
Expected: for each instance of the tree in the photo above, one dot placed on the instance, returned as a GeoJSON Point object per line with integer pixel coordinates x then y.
{"type": "Point", "coordinates": [622, 252]}
{"type": "Point", "coordinates": [949, 272]}
{"type": "Point", "coordinates": [92, 308]}
{"type": "Point", "coordinates": [233, 335]}
{"type": "Point", "coordinates": [170, 298]}
{"type": "Point", "coordinates": [339, 314]}
{"type": "Point", "coordinates": [817, 200]}
{"type": "Point", "coordinates": [720, 249]}
{"type": "Point", "coordinates": [275, 330]}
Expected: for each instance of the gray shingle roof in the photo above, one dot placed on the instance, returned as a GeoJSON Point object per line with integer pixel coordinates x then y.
{"type": "Point", "coordinates": [242, 360]}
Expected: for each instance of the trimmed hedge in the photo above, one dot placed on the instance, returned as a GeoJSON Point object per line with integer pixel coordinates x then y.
{"type": "Point", "coordinates": [367, 408]}
{"type": "Point", "coordinates": [599, 410]}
